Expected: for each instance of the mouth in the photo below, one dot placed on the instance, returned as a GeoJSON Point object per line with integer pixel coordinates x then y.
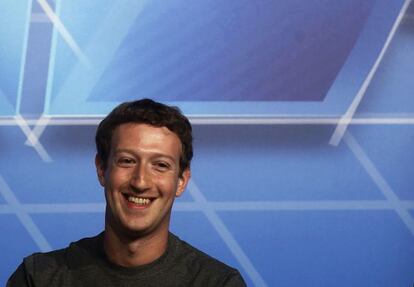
{"type": "Point", "coordinates": [137, 201]}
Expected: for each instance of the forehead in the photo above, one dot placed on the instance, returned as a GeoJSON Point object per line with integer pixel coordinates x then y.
{"type": "Point", "coordinates": [146, 137]}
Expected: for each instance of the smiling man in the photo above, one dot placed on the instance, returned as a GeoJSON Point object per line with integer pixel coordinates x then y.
{"type": "Point", "coordinates": [144, 150]}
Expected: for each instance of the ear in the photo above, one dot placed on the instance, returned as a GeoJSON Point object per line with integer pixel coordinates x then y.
{"type": "Point", "coordinates": [183, 181]}
{"type": "Point", "coordinates": [100, 171]}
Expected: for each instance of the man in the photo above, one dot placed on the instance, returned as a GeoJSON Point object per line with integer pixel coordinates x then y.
{"type": "Point", "coordinates": [144, 150]}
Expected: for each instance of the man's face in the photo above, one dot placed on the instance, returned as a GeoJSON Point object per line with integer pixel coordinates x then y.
{"type": "Point", "coordinates": [141, 178]}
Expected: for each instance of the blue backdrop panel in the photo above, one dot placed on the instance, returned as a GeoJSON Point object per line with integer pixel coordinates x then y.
{"type": "Point", "coordinates": [261, 158]}
{"type": "Point", "coordinates": [14, 22]}
{"type": "Point", "coordinates": [390, 91]}
{"type": "Point", "coordinates": [292, 203]}
{"type": "Point", "coordinates": [277, 201]}
{"type": "Point", "coordinates": [217, 58]}
{"type": "Point", "coordinates": [330, 248]}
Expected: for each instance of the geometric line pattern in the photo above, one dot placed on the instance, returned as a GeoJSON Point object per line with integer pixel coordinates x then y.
{"type": "Point", "coordinates": [64, 32]}
{"type": "Point", "coordinates": [200, 203]}
{"type": "Point", "coordinates": [227, 237]}
{"type": "Point", "coordinates": [37, 130]}
{"type": "Point", "coordinates": [379, 180]}
{"type": "Point", "coordinates": [349, 114]}
{"type": "Point", "coordinates": [24, 218]}
{"type": "Point", "coordinates": [209, 209]}
{"type": "Point", "coordinates": [32, 138]}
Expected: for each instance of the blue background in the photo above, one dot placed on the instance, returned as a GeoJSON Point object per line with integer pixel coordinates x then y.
{"type": "Point", "coordinates": [274, 199]}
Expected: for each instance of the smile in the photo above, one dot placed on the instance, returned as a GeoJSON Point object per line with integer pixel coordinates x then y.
{"type": "Point", "coordinates": [138, 200]}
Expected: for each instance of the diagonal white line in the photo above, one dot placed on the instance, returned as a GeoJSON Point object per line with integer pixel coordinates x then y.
{"type": "Point", "coordinates": [37, 131]}
{"type": "Point", "coordinates": [24, 218]}
{"type": "Point", "coordinates": [101, 50]}
{"type": "Point", "coordinates": [64, 32]}
{"type": "Point", "coordinates": [227, 237]}
{"type": "Point", "coordinates": [347, 117]}
{"type": "Point", "coordinates": [32, 139]}
{"type": "Point", "coordinates": [381, 183]}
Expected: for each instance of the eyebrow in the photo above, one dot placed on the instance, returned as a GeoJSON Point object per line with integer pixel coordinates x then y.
{"type": "Point", "coordinates": [155, 154]}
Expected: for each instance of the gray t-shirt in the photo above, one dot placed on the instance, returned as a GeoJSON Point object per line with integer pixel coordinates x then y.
{"type": "Point", "coordinates": [84, 263]}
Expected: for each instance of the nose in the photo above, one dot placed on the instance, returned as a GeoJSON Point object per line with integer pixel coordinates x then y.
{"type": "Point", "coordinates": [140, 179]}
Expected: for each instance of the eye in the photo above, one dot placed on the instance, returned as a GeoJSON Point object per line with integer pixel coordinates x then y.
{"type": "Point", "coordinates": [125, 162]}
{"type": "Point", "coordinates": [162, 166]}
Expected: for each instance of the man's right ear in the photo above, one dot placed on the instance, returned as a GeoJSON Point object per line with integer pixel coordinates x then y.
{"type": "Point", "coordinates": [100, 170]}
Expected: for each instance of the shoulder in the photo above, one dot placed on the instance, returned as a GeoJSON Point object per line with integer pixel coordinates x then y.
{"type": "Point", "coordinates": [205, 266]}
{"type": "Point", "coordinates": [42, 266]}
{"type": "Point", "coordinates": [66, 257]}
{"type": "Point", "coordinates": [37, 265]}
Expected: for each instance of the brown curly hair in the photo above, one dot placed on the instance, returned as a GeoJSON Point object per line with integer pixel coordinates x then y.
{"type": "Point", "coordinates": [149, 112]}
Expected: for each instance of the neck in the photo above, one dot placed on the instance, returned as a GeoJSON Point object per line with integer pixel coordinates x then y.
{"type": "Point", "coordinates": [128, 251]}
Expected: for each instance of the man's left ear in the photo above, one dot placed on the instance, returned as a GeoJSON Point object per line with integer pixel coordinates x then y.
{"type": "Point", "coordinates": [183, 181]}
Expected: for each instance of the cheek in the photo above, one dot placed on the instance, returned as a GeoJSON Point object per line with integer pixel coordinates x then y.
{"type": "Point", "coordinates": [168, 184]}
{"type": "Point", "coordinates": [117, 178]}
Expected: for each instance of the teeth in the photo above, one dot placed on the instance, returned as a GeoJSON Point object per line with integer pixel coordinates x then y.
{"type": "Point", "coordinates": [138, 200]}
